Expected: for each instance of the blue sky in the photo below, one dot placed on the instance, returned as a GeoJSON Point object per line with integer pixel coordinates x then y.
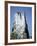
{"type": "Point", "coordinates": [28, 14]}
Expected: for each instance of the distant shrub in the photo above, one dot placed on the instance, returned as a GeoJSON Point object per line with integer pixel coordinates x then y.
{"type": "Point", "coordinates": [13, 35]}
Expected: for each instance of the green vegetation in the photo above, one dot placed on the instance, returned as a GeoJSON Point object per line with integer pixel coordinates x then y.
{"type": "Point", "coordinates": [13, 35]}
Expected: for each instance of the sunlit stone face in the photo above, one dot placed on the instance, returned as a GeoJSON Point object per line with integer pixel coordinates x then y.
{"type": "Point", "coordinates": [20, 23]}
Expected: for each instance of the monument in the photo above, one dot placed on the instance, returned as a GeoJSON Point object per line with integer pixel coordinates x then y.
{"type": "Point", "coordinates": [20, 26]}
